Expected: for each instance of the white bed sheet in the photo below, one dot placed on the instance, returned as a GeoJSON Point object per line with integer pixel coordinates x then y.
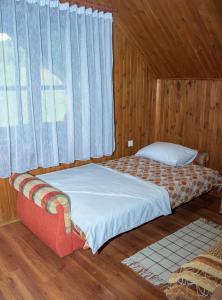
{"type": "Point", "coordinates": [105, 202]}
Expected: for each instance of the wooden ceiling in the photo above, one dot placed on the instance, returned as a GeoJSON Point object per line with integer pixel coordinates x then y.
{"type": "Point", "coordinates": [180, 38]}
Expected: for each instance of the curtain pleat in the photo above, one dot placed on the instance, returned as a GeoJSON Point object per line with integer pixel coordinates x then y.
{"type": "Point", "coordinates": [56, 88]}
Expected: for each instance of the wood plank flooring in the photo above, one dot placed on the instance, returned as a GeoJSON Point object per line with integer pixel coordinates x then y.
{"type": "Point", "coordinates": [29, 270]}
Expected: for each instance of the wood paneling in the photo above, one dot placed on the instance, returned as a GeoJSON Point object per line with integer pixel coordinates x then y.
{"type": "Point", "coordinates": [190, 113]}
{"type": "Point", "coordinates": [30, 270]}
{"type": "Point", "coordinates": [161, 39]}
{"type": "Point", "coordinates": [181, 38]}
{"type": "Point", "coordinates": [134, 93]}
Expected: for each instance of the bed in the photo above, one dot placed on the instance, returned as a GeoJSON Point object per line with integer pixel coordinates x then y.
{"type": "Point", "coordinates": [44, 206]}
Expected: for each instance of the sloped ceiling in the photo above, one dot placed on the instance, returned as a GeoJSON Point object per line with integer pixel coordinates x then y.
{"type": "Point", "coordinates": [180, 38]}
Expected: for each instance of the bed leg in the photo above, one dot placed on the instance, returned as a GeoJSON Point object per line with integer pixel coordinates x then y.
{"type": "Point", "coordinates": [220, 197]}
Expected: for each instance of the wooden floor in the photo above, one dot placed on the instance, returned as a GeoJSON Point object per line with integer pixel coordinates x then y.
{"type": "Point", "coordinates": [29, 270]}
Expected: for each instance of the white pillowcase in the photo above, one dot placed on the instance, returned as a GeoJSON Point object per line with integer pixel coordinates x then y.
{"type": "Point", "coordinates": [168, 153]}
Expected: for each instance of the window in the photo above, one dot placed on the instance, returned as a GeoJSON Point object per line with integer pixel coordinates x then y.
{"type": "Point", "coordinates": [55, 84]}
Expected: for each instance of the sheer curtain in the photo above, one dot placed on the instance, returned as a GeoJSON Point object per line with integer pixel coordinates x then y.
{"type": "Point", "coordinates": [56, 94]}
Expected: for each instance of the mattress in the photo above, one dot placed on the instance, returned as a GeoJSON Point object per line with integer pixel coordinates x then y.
{"type": "Point", "coordinates": [182, 184]}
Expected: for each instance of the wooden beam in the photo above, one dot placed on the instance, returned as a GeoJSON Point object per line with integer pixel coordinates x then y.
{"type": "Point", "coordinates": [91, 4]}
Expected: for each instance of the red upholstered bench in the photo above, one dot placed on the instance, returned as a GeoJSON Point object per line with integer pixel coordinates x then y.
{"type": "Point", "coordinates": [46, 212]}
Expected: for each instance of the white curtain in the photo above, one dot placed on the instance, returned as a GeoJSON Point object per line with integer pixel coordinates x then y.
{"type": "Point", "coordinates": [56, 94]}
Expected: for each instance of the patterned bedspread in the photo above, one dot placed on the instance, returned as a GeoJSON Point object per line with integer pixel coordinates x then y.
{"type": "Point", "coordinates": [183, 183]}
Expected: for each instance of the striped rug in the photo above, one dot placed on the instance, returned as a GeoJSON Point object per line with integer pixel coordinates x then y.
{"type": "Point", "coordinates": [156, 262]}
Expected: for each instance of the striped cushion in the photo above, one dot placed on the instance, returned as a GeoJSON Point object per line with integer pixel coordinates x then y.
{"type": "Point", "coordinates": [198, 278]}
{"type": "Point", "coordinates": [201, 159]}
{"type": "Point", "coordinates": [43, 195]}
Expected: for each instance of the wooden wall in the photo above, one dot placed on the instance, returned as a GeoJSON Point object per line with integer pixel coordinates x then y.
{"type": "Point", "coordinates": [189, 112]}
{"type": "Point", "coordinates": [161, 39]}
{"type": "Point", "coordinates": [134, 91]}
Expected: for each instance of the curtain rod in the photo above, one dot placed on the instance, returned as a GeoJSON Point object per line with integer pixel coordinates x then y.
{"type": "Point", "coordinates": [90, 4]}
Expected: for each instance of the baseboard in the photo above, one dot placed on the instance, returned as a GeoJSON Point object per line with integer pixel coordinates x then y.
{"type": "Point", "coordinates": [9, 222]}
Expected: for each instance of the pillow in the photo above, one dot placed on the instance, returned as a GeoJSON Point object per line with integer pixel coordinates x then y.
{"type": "Point", "coordinates": [168, 153]}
